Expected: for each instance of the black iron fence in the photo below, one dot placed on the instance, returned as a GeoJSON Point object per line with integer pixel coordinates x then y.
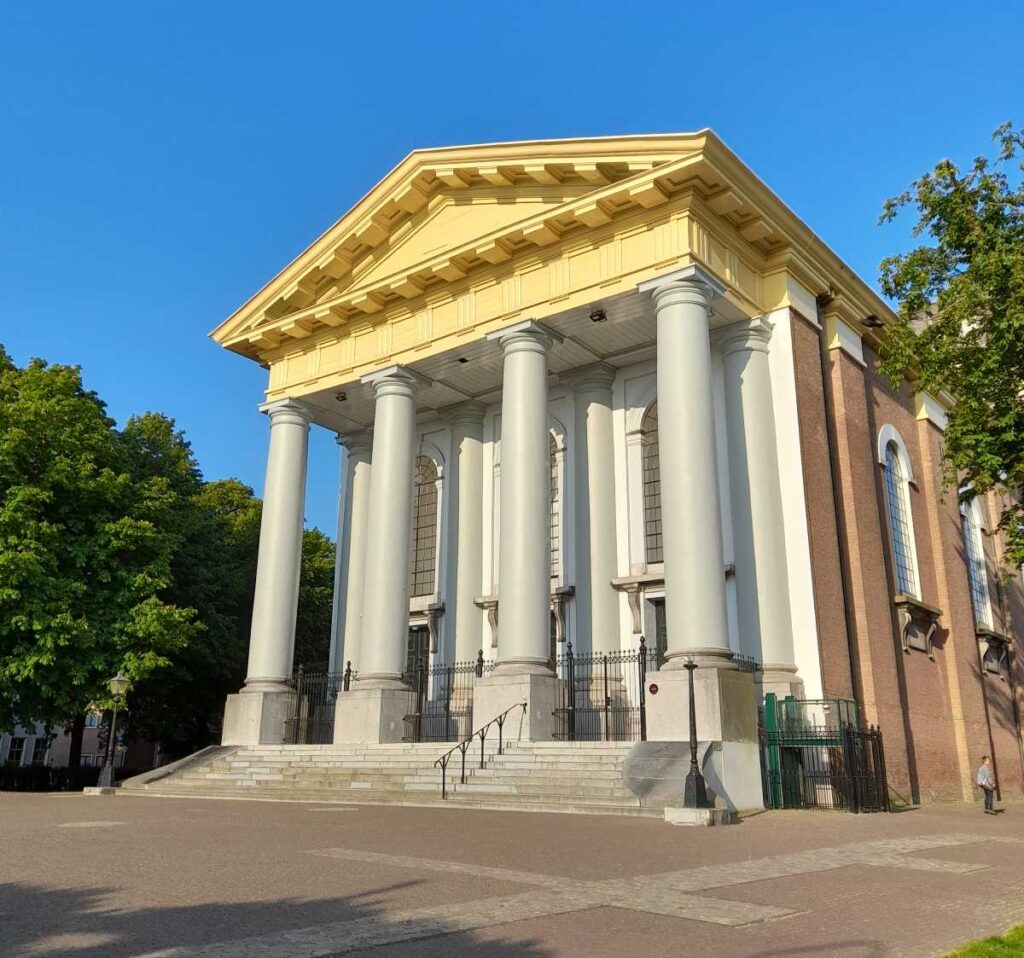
{"type": "Point", "coordinates": [601, 697]}
{"type": "Point", "coordinates": [312, 718]}
{"type": "Point", "coordinates": [443, 700]}
{"type": "Point", "coordinates": [825, 768]}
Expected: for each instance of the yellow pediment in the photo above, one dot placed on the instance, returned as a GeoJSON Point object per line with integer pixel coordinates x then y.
{"type": "Point", "coordinates": [441, 213]}
{"type": "Point", "coordinates": [457, 218]}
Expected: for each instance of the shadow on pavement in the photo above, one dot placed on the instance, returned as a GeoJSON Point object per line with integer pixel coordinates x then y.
{"type": "Point", "coordinates": [38, 922]}
{"type": "Point", "coordinates": [832, 949]}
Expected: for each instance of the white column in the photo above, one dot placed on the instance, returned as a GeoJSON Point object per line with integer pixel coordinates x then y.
{"type": "Point", "coordinates": [597, 604]}
{"type": "Point", "coordinates": [348, 582]}
{"type": "Point", "coordinates": [762, 584]}
{"type": "Point", "coordinates": [690, 509]}
{"type": "Point", "coordinates": [466, 529]}
{"type": "Point", "coordinates": [385, 613]}
{"type": "Point", "coordinates": [272, 639]}
{"type": "Point", "coordinates": [524, 556]}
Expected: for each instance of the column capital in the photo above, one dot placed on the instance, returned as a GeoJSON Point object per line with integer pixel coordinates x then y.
{"type": "Point", "coordinates": [691, 284]}
{"type": "Point", "coordinates": [357, 443]}
{"type": "Point", "coordinates": [465, 414]}
{"type": "Point", "coordinates": [597, 377]}
{"type": "Point", "coordinates": [288, 411]}
{"type": "Point", "coordinates": [746, 336]}
{"type": "Point", "coordinates": [395, 381]}
{"type": "Point", "coordinates": [527, 336]}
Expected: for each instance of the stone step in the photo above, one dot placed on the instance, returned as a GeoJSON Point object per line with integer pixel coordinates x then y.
{"type": "Point", "coordinates": [502, 803]}
{"type": "Point", "coordinates": [565, 792]}
{"type": "Point", "coordinates": [610, 774]}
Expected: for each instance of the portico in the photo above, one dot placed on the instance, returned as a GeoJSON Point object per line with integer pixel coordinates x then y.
{"type": "Point", "coordinates": [548, 365]}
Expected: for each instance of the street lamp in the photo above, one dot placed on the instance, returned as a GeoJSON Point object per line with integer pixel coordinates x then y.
{"type": "Point", "coordinates": [695, 793]}
{"type": "Point", "coordinates": [117, 685]}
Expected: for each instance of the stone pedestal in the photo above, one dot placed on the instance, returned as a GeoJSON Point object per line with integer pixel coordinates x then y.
{"type": "Point", "coordinates": [726, 725]}
{"type": "Point", "coordinates": [496, 693]}
{"type": "Point", "coordinates": [700, 816]}
{"type": "Point", "coordinates": [257, 718]}
{"type": "Point", "coordinates": [725, 701]}
{"type": "Point", "coordinates": [373, 716]}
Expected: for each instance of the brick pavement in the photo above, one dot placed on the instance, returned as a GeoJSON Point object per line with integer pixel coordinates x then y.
{"type": "Point", "coordinates": [170, 878]}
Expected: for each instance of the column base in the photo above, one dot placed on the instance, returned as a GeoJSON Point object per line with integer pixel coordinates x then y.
{"type": "Point", "coordinates": [503, 690]}
{"type": "Point", "coordinates": [706, 658]}
{"type": "Point", "coordinates": [372, 716]}
{"type": "Point", "coordinates": [253, 717]}
{"type": "Point", "coordinates": [782, 680]}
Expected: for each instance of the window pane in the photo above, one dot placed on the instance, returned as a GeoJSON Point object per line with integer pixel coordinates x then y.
{"type": "Point", "coordinates": [899, 523]}
{"type": "Point", "coordinates": [423, 547]}
{"type": "Point", "coordinates": [15, 752]}
{"type": "Point", "coordinates": [39, 750]}
{"type": "Point", "coordinates": [651, 486]}
{"type": "Point", "coordinates": [976, 571]}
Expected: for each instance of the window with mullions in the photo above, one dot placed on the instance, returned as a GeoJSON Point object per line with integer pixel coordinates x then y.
{"type": "Point", "coordinates": [39, 747]}
{"type": "Point", "coordinates": [423, 547]}
{"type": "Point", "coordinates": [977, 572]}
{"type": "Point", "coordinates": [16, 750]}
{"type": "Point", "coordinates": [897, 494]}
{"type": "Point", "coordinates": [651, 486]}
{"type": "Point", "coordinates": [556, 509]}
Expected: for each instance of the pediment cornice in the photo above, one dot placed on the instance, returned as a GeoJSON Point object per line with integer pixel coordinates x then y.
{"type": "Point", "coordinates": [405, 240]}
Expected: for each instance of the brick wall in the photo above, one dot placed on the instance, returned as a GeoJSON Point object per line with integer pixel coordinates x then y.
{"type": "Point", "coordinates": [822, 523]}
{"type": "Point", "coordinates": [939, 712]}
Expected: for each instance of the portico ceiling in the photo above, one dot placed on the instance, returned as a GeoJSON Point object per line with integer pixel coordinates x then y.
{"type": "Point", "coordinates": [473, 372]}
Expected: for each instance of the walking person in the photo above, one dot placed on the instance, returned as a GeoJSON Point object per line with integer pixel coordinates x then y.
{"type": "Point", "coordinates": [987, 783]}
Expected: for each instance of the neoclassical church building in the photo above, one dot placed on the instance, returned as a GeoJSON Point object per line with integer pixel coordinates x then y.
{"type": "Point", "coordinates": [591, 392]}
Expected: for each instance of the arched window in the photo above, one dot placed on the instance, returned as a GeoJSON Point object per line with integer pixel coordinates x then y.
{"type": "Point", "coordinates": [423, 547]}
{"type": "Point", "coordinates": [897, 494]}
{"type": "Point", "coordinates": [976, 570]}
{"type": "Point", "coordinates": [651, 486]}
{"type": "Point", "coordinates": [556, 509]}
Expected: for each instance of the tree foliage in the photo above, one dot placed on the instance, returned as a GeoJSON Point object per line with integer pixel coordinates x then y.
{"type": "Point", "coordinates": [316, 598]}
{"type": "Point", "coordinates": [116, 554]}
{"type": "Point", "coordinates": [961, 318]}
{"type": "Point", "coordinates": [86, 549]}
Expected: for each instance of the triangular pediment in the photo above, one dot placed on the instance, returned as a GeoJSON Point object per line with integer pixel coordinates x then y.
{"type": "Point", "coordinates": [442, 214]}
{"type": "Point", "coordinates": [456, 219]}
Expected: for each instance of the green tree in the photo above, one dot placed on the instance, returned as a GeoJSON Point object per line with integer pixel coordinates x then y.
{"type": "Point", "coordinates": [85, 552]}
{"type": "Point", "coordinates": [316, 596]}
{"type": "Point", "coordinates": [961, 318]}
{"type": "Point", "coordinates": [214, 571]}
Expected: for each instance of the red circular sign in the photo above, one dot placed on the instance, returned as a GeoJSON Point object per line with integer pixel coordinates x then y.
{"type": "Point", "coordinates": [653, 689]}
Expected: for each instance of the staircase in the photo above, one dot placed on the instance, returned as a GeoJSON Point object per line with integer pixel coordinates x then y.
{"type": "Point", "coordinates": [575, 777]}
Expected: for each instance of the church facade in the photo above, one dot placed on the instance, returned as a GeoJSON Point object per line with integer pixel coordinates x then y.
{"type": "Point", "coordinates": [593, 392]}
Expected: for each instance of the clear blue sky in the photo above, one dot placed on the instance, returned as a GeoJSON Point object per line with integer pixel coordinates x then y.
{"type": "Point", "coordinates": [160, 161]}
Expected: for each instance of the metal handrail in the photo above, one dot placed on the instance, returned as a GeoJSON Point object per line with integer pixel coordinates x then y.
{"type": "Point", "coordinates": [463, 746]}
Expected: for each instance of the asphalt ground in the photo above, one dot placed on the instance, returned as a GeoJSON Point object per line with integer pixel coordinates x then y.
{"type": "Point", "coordinates": [193, 878]}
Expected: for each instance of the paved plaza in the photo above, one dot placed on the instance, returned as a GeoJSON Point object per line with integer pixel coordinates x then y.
{"type": "Point", "coordinates": [118, 876]}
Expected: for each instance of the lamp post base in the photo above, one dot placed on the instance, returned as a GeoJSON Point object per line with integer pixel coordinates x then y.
{"type": "Point", "coordinates": [695, 791]}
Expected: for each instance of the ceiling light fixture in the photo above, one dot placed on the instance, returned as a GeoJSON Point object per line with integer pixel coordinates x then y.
{"type": "Point", "coordinates": [598, 315]}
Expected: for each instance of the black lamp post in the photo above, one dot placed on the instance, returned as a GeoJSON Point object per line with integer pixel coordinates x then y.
{"type": "Point", "coordinates": [117, 685]}
{"type": "Point", "coordinates": [695, 792]}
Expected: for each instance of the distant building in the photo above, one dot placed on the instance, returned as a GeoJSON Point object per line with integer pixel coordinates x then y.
{"type": "Point", "coordinates": [34, 747]}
